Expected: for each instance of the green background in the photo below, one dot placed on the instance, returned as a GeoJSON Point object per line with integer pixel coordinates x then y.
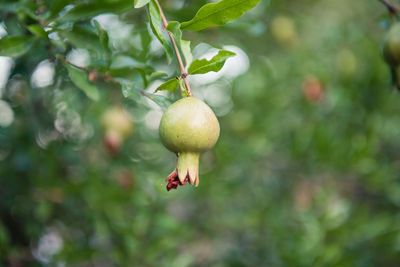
{"type": "Point", "coordinates": [294, 180]}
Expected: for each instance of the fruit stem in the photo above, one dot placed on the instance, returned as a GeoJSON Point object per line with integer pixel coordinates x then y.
{"type": "Point", "coordinates": [178, 55]}
{"type": "Point", "coordinates": [188, 165]}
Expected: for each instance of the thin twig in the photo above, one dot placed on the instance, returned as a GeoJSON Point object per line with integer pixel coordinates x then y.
{"type": "Point", "coordinates": [393, 9]}
{"type": "Point", "coordinates": [178, 55]}
{"type": "Point", "coordinates": [105, 76]}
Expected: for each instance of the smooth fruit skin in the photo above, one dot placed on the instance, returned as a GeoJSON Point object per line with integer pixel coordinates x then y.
{"type": "Point", "coordinates": [189, 125]}
{"type": "Point", "coordinates": [391, 46]}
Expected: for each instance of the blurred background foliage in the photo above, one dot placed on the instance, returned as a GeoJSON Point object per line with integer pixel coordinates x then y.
{"type": "Point", "coordinates": [305, 173]}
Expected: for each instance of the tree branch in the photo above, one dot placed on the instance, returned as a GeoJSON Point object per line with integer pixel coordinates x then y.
{"type": "Point", "coordinates": [178, 55]}
{"type": "Point", "coordinates": [393, 9]}
{"type": "Point", "coordinates": [106, 77]}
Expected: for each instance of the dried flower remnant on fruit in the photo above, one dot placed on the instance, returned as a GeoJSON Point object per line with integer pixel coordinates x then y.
{"type": "Point", "coordinates": [188, 128]}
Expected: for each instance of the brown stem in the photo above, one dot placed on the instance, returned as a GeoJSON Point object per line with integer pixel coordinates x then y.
{"type": "Point", "coordinates": [178, 55]}
{"type": "Point", "coordinates": [393, 9]}
{"type": "Point", "coordinates": [105, 76]}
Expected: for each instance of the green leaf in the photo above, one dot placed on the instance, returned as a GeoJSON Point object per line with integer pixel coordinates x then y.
{"type": "Point", "coordinates": [84, 38]}
{"type": "Point", "coordinates": [215, 64]}
{"type": "Point", "coordinates": [218, 14]}
{"type": "Point", "coordinates": [156, 27]}
{"type": "Point", "coordinates": [56, 6]}
{"type": "Point", "coordinates": [141, 3]}
{"type": "Point", "coordinates": [87, 10]}
{"type": "Point", "coordinates": [155, 75]}
{"type": "Point", "coordinates": [15, 46]}
{"type": "Point", "coordinates": [174, 28]}
{"type": "Point", "coordinates": [80, 79]}
{"type": "Point", "coordinates": [104, 39]}
{"type": "Point", "coordinates": [170, 85]}
{"type": "Point", "coordinates": [38, 31]}
{"type": "Point", "coordinates": [8, 7]}
{"type": "Point", "coordinates": [187, 52]}
{"type": "Point", "coordinates": [162, 101]}
{"type": "Point", "coordinates": [130, 87]}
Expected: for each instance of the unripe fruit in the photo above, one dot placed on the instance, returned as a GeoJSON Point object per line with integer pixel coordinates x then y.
{"type": "Point", "coordinates": [284, 30]}
{"type": "Point", "coordinates": [117, 119]}
{"type": "Point", "coordinates": [188, 128]}
{"type": "Point", "coordinates": [117, 125]}
{"type": "Point", "coordinates": [391, 46]}
{"type": "Point", "coordinates": [346, 62]}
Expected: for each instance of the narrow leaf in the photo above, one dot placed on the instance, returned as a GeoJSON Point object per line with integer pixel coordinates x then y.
{"type": "Point", "coordinates": [170, 86]}
{"type": "Point", "coordinates": [174, 28]}
{"type": "Point", "coordinates": [84, 38]}
{"type": "Point", "coordinates": [218, 14]}
{"type": "Point", "coordinates": [130, 87]}
{"type": "Point", "coordinates": [162, 101]}
{"type": "Point", "coordinates": [38, 31]}
{"type": "Point", "coordinates": [155, 75]}
{"type": "Point", "coordinates": [80, 79]}
{"type": "Point", "coordinates": [15, 46]}
{"type": "Point", "coordinates": [187, 52]}
{"type": "Point", "coordinates": [87, 10]}
{"type": "Point", "coordinates": [156, 26]}
{"type": "Point", "coordinates": [141, 3]}
{"type": "Point", "coordinates": [104, 39]}
{"type": "Point", "coordinates": [9, 7]}
{"type": "Point", "coordinates": [201, 66]}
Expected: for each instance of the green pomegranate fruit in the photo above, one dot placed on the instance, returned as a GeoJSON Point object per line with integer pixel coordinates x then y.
{"type": "Point", "coordinates": [188, 128]}
{"type": "Point", "coordinates": [391, 46]}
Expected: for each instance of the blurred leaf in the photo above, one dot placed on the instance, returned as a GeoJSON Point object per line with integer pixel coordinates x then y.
{"type": "Point", "coordinates": [14, 27]}
{"type": "Point", "coordinates": [15, 46]}
{"type": "Point", "coordinates": [87, 10]}
{"type": "Point", "coordinates": [123, 61]}
{"type": "Point", "coordinates": [218, 14]}
{"type": "Point", "coordinates": [156, 74]}
{"type": "Point", "coordinates": [141, 3]}
{"type": "Point", "coordinates": [156, 26]}
{"type": "Point", "coordinates": [124, 72]}
{"type": "Point", "coordinates": [81, 37]}
{"type": "Point", "coordinates": [162, 101]}
{"type": "Point", "coordinates": [130, 87]}
{"type": "Point", "coordinates": [9, 7]}
{"type": "Point", "coordinates": [80, 79]}
{"type": "Point", "coordinates": [38, 31]}
{"type": "Point", "coordinates": [104, 39]}
{"type": "Point", "coordinates": [145, 40]}
{"type": "Point", "coordinates": [215, 64]}
{"type": "Point", "coordinates": [170, 85]}
{"type": "Point", "coordinates": [56, 6]}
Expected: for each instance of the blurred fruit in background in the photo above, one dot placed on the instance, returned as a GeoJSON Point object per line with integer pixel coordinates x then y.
{"type": "Point", "coordinates": [118, 125]}
{"type": "Point", "coordinates": [313, 89]}
{"type": "Point", "coordinates": [284, 30]}
{"type": "Point", "coordinates": [346, 62]}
